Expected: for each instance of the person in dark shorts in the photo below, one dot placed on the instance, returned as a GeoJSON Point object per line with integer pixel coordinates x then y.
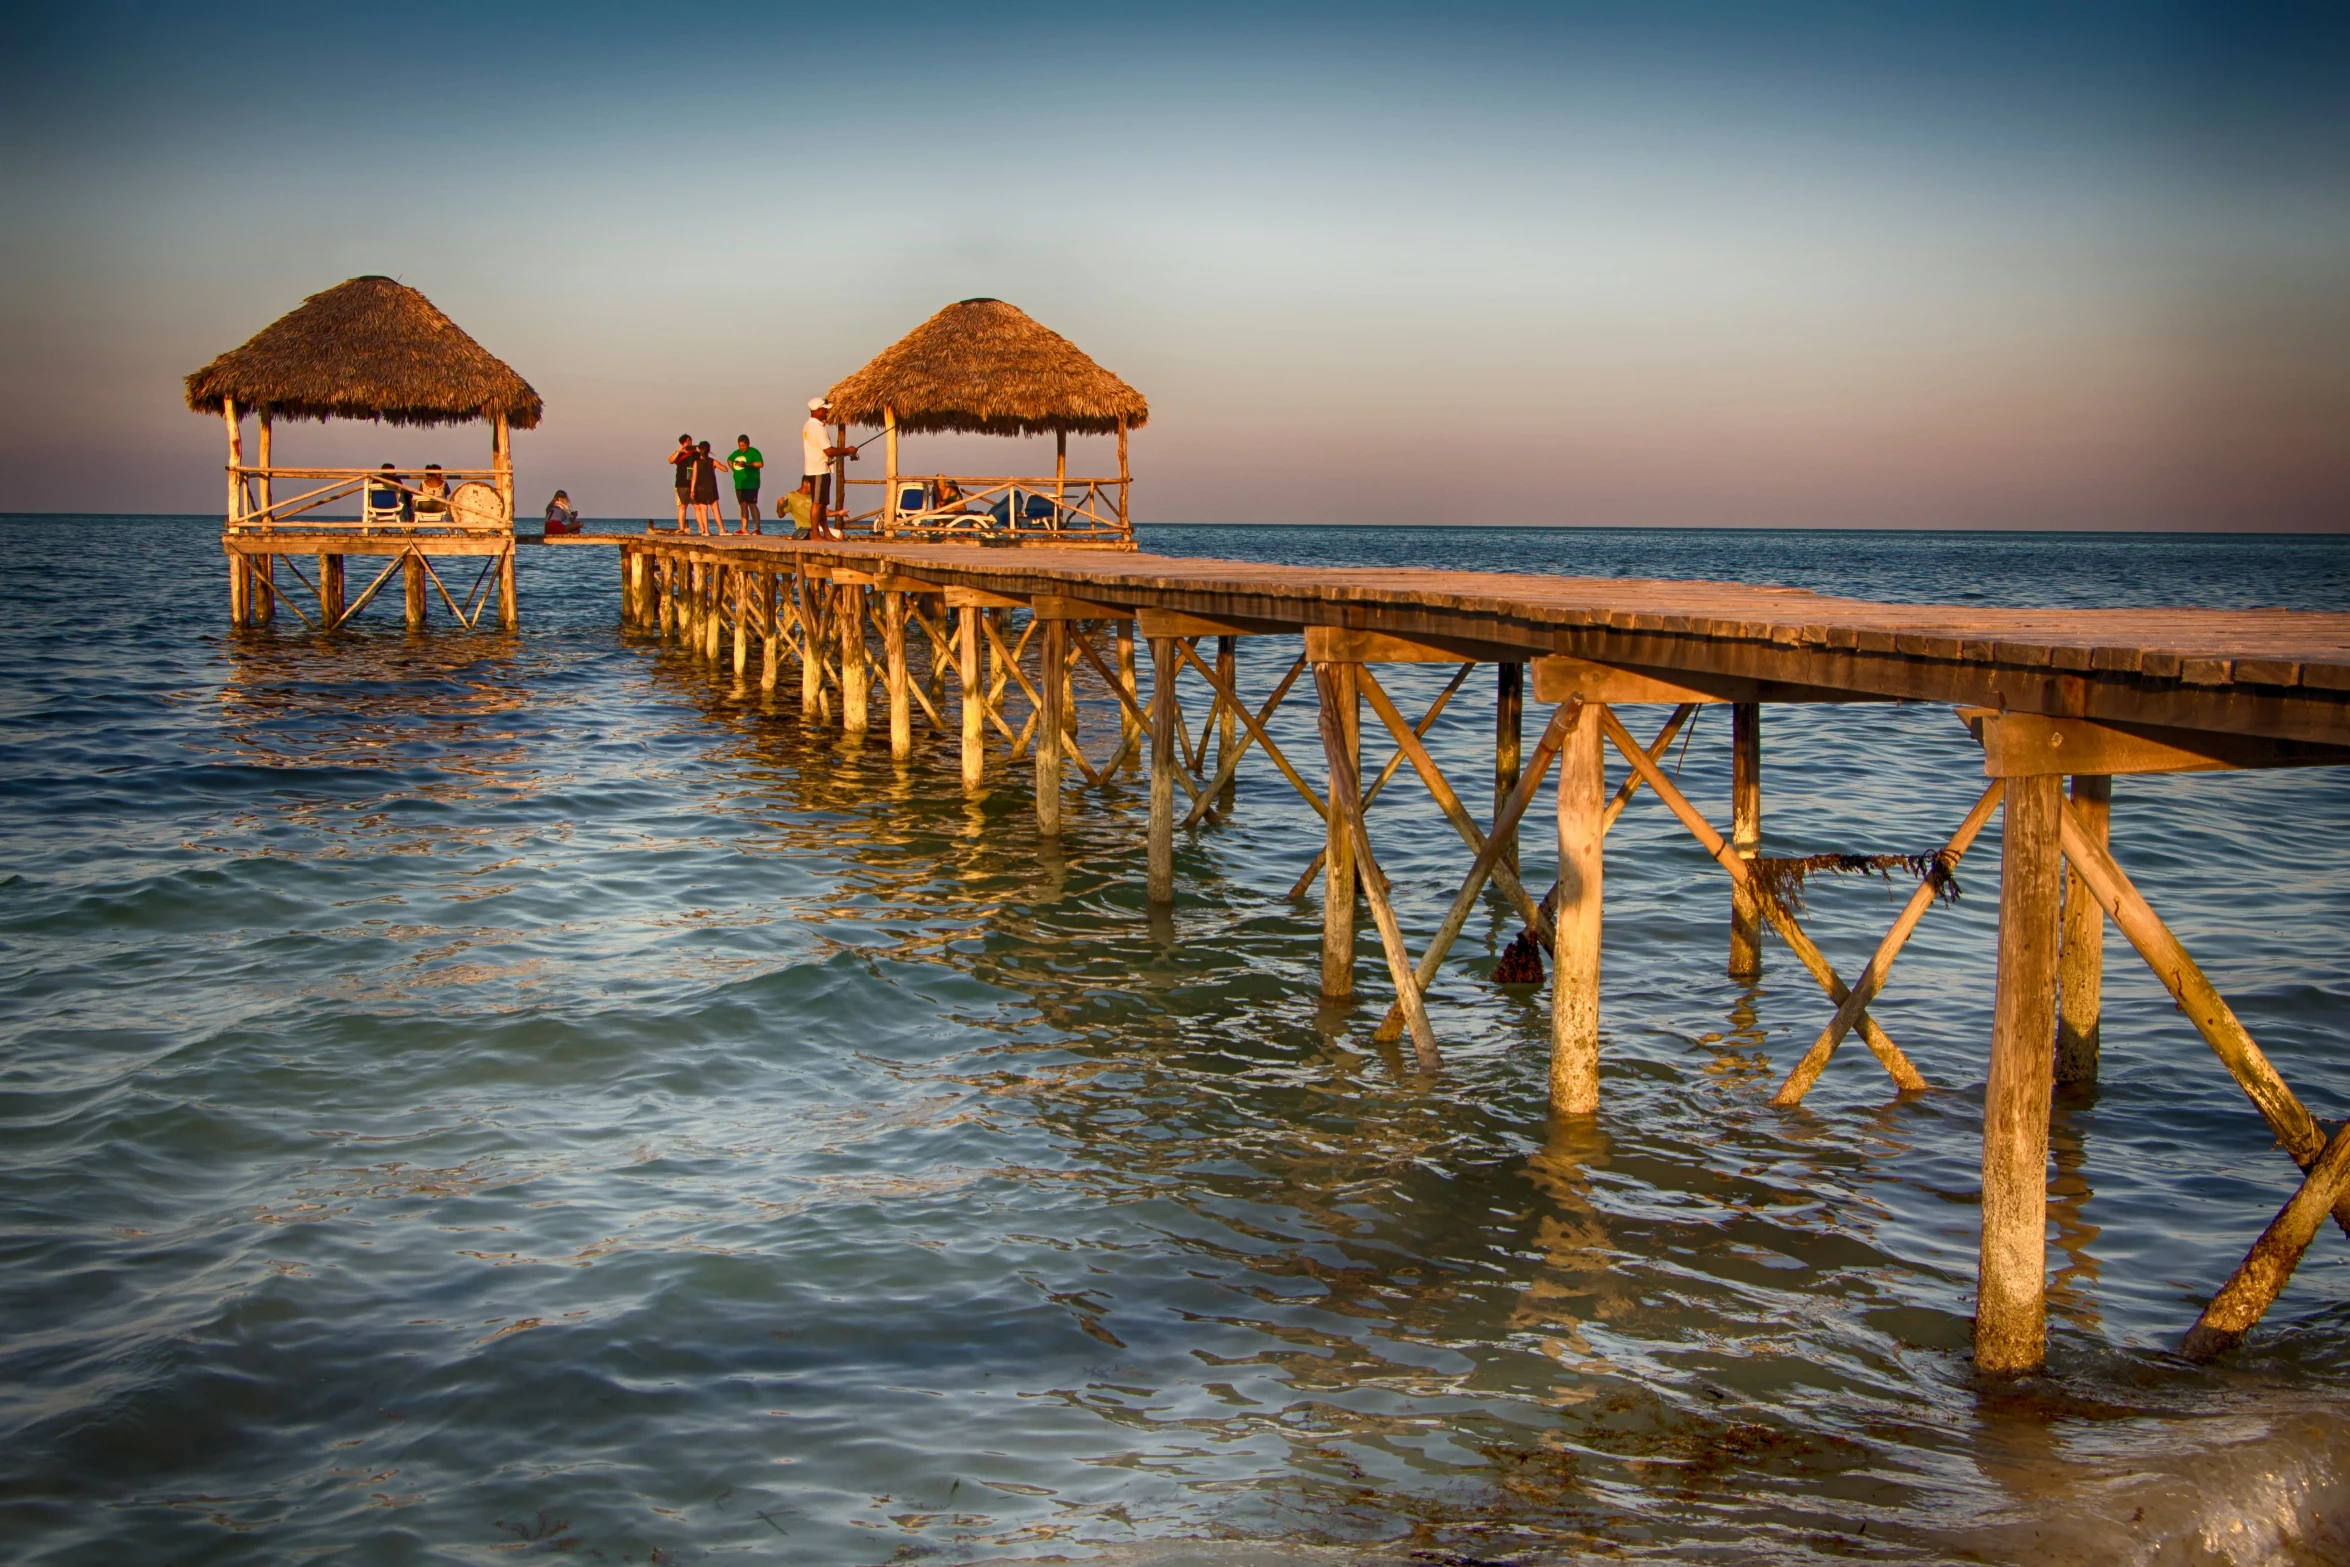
{"type": "Point", "coordinates": [746, 463]}
{"type": "Point", "coordinates": [704, 468]}
{"type": "Point", "coordinates": [681, 462]}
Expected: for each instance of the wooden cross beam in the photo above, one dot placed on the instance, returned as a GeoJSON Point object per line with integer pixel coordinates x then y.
{"type": "Point", "coordinates": [1814, 961]}
{"type": "Point", "coordinates": [1546, 751]}
{"type": "Point", "coordinates": [2266, 1268]}
{"type": "Point", "coordinates": [1450, 803]}
{"type": "Point", "coordinates": [1188, 654]}
{"type": "Point", "coordinates": [1872, 979]}
{"type": "Point", "coordinates": [1386, 774]}
{"type": "Point", "coordinates": [1346, 799]}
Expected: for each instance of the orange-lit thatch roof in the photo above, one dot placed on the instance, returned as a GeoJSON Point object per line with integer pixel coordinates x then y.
{"type": "Point", "coordinates": [982, 365]}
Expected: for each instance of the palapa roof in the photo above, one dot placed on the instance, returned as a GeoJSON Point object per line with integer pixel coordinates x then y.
{"type": "Point", "coordinates": [982, 365]}
{"type": "Point", "coordinates": [371, 348]}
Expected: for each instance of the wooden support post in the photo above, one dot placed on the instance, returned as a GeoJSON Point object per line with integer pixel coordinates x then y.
{"type": "Point", "coordinates": [509, 612]}
{"type": "Point", "coordinates": [2081, 972]}
{"type": "Point", "coordinates": [1129, 731]}
{"type": "Point", "coordinates": [1069, 680]}
{"type": "Point", "coordinates": [2266, 1268]}
{"type": "Point", "coordinates": [974, 700]}
{"type": "Point", "coordinates": [1745, 836]}
{"type": "Point", "coordinates": [889, 505]}
{"type": "Point", "coordinates": [1227, 716]}
{"type": "Point", "coordinates": [1338, 864]}
{"type": "Point", "coordinates": [240, 591]}
{"type": "Point", "coordinates": [1055, 663]}
{"type": "Point", "coordinates": [742, 622]}
{"type": "Point", "coordinates": [714, 578]}
{"type": "Point", "coordinates": [812, 639]}
{"type": "Point", "coordinates": [1125, 484]}
{"type": "Point", "coordinates": [265, 600]}
{"type": "Point", "coordinates": [2011, 1328]}
{"type": "Point", "coordinates": [893, 647]}
{"type": "Point", "coordinates": [1346, 805]}
{"type": "Point", "coordinates": [330, 590]}
{"type": "Point", "coordinates": [1060, 473]}
{"type": "Point", "coordinates": [1509, 741]}
{"type": "Point", "coordinates": [665, 594]}
{"type": "Point", "coordinates": [234, 516]}
{"type": "Point", "coordinates": [412, 580]}
{"type": "Point", "coordinates": [502, 465]}
{"type": "Point", "coordinates": [771, 635]}
{"type": "Point", "coordinates": [1574, 1004]}
{"type": "Point", "coordinates": [1162, 809]}
{"type": "Point", "coordinates": [268, 495]}
{"type": "Point", "coordinates": [854, 673]}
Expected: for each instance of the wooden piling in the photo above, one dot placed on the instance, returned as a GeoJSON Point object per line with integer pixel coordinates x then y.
{"type": "Point", "coordinates": [714, 579]}
{"type": "Point", "coordinates": [2269, 1265]}
{"type": "Point", "coordinates": [330, 589]}
{"type": "Point", "coordinates": [509, 608]}
{"type": "Point", "coordinates": [1341, 690]}
{"type": "Point", "coordinates": [240, 592]}
{"type": "Point", "coordinates": [974, 701]}
{"type": "Point", "coordinates": [893, 650]}
{"type": "Point", "coordinates": [1574, 1004]}
{"type": "Point", "coordinates": [265, 584]}
{"type": "Point", "coordinates": [412, 582]}
{"type": "Point", "coordinates": [1161, 888]}
{"type": "Point", "coordinates": [770, 635]}
{"type": "Point", "coordinates": [1050, 691]}
{"type": "Point", "coordinates": [855, 676]}
{"type": "Point", "coordinates": [742, 623]}
{"type": "Point", "coordinates": [2081, 970]}
{"type": "Point", "coordinates": [2011, 1299]}
{"type": "Point", "coordinates": [1129, 730]}
{"type": "Point", "coordinates": [1509, 740]}
{"type": "Point", "coordinates": [1745, 836]}
{"type": "Point", "coordinates": [812, 647]}
{"type": "Point", "coordinates": [1227, 716]}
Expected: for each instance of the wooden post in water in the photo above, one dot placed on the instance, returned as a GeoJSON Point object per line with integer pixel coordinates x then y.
{"type": "Point", "coordinates": [1509, 743]}
{"type": "Point", "coordinates": [1745, 836]}
{"type": "Point", "coordinates": [893, 647]}
{"type": "Point", "coordinates": [974, 701]}
{"type": "Point", "coordinates": [742, 622]}
{"type": "Point", "coordinates": [1574, 1002]}
{"type": "Point", "coordinates": [2011, 1331]}
{"type": "Point", "coordinates": [1128, 739]}
{"type": "Point", "coordinates": [771, 635]}
{"type": "Point", "coordinates": [263, 567]}
{"type": "Point", "coordinates": [330, 590]}
{"type": "Point", "coordinates": [1338, 863]}
{"type": "Point", "coordinates": [1227, 719]}
{"type": "Point", "coordinates": [812, 644]}
{"type": "Point", "coordinates": [502, 464]}
{"type": "Point", "coordinates": [713, 604]}
{"type": "Point", "coordinates": [412, 583]}
{"type": "Point", "coordinates": [1052, 668]}
{"type": "Point", "coordinates": [2081, 970]}
{"type": "Point", "coordinates": [509, 611]}
{"type": "Point", "coordinates": [854, 680]}
{"type": "Point", "coordinates": [665, 586]}
{"type": "Point", "coordinates": [1161, 888]}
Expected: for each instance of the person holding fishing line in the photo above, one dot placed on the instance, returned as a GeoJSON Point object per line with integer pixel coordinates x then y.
{"type": "Point", "coordinates": [746, 463]}
{"type": "Point", "coordinates": [816, 454]}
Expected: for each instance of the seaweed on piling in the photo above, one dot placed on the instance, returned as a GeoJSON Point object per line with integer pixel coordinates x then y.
{"type": "Point", "coordinates": [1782, 880]}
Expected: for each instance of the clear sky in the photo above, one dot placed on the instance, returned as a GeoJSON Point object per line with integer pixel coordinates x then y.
{"type": "Point", "coordinates": [1879, 264]}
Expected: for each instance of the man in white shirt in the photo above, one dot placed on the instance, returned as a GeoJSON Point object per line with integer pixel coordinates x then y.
{"type": "Point", "coordinates": [816, 454]}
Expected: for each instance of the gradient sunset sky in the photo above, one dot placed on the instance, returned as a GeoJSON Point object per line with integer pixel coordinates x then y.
{"type": "Point", "coordinates": [1835, 265]}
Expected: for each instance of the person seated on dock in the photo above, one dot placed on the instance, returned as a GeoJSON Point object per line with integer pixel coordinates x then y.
{"type": "Point", "coordinates": [562, 516]}
{"type": "Point", "coordinates": [386, 504]}
{"type": "Point", "coordinates": [432, 497]}
{"type": "Point", "coordinates": [798, 508]}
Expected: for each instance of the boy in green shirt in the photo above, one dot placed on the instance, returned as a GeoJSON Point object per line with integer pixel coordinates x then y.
{"type": "Point", "coordinates": [746, 463]}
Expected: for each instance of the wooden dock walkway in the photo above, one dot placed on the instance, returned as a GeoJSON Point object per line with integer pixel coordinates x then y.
{"type": "Point", "coordinates": [2052, 695]}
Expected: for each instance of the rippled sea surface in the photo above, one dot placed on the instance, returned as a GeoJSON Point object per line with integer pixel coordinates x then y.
{"type": "Point", "coordinates": [470, 1097]}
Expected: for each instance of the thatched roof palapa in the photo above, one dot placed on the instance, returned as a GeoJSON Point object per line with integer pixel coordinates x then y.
{"type": "Point", "coordinates": [367, 349]}
{"type": "Point", "coordinates": [985, 366]}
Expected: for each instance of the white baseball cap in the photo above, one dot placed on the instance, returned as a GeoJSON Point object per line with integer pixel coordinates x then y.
{"type": "Point", "coordinates": [815, 403]}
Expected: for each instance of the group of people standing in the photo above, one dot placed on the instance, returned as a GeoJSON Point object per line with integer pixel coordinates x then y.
{"type": "Point", "coordinates": [808, 507]}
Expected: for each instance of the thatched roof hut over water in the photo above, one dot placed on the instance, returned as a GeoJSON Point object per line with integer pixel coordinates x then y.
{"type": "Point", "coordinates": [370, 348]}
{"type": "Point", "coordinates": [987, 367]}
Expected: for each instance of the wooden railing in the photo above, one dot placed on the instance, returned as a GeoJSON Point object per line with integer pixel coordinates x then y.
{"type": "Point", "coordinates": [475, 501]}
{"type": "Point", "coordinates": [1081, 510]}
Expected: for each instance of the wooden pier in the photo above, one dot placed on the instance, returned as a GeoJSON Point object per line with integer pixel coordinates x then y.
{"type": "Point", "coordinates": [947, 632]}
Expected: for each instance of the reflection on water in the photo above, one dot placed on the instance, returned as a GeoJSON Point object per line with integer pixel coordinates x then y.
{"type": "Point", "coordinates": [479, 1096]}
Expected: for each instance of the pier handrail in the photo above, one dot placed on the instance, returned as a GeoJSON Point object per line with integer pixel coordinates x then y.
{"type": "Point", "coordinates": [256, 516]}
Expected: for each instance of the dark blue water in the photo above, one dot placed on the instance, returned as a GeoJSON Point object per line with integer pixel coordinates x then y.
{"type": "Point", "coordinates": [470, 1097]}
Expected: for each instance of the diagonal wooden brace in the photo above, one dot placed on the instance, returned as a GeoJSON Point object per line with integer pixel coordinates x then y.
{"type": "Point", "coordinates": [2266, 1268]}
{"type": "Point", "coordinates": [1450, 803]}
{"type": "Point", "coordinates": [1185, 651]}
{"type": "Point", "coordinates": [1346, 799]}
{"type": "Point", "coordinates": [1872, 979]}
{"type": "Point", "coordinates": [1814, 961]}
{"type": "Point", "coordinates": [1546, 750]}
{"type": "Point", "coordinates": [1386, 773]}
{"type": "Point", "coordinates": [2286, 1116]}
{"type": "Point", "coordinates": [1228, 765]}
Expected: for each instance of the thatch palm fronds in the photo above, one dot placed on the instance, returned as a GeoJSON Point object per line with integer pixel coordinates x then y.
{"type": "Point", "coordinates": [371, 348]}
{"type": "Point", "coordinates": [988, 367]}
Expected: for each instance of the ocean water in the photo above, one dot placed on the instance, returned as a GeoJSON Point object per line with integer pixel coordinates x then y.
{"type": "Point", "coordinates": [471, 1098]}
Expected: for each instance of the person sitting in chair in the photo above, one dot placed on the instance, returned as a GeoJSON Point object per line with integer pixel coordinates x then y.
{"type": "Point", "coordinates": [386, 501]}
{"type": "Point", "coordinates": [432, 496]}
